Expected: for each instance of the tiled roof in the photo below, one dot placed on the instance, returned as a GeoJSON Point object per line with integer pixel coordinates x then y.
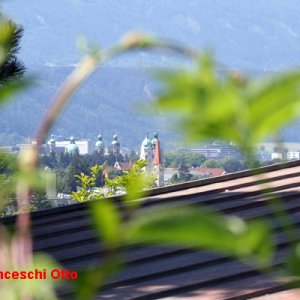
{"type": "Point", "coordinates": [157, 272]}
{"type": "Point", "coordinates": [212, 171]}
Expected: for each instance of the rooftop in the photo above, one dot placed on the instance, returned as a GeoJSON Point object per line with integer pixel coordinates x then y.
{"type": "Point", "coordinates": [157, 272]}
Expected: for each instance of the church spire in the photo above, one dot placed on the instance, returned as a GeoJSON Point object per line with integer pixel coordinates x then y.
{"type": "Point", "coordinates": [157, 163]}
{"type": "Point", "coordinates": [157, 155]}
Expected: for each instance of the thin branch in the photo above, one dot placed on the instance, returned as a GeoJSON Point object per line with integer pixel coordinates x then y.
{"type": "Point", "coordinates": [132, 41]}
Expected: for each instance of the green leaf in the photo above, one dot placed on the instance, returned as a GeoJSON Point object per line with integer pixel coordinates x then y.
{"type": "Point", "coordinates": [293, 261]}
{"type": "Point", "coordinates": [32, 288]}
{"type": "Point", "coordinates": [273, 103]}
{"type": "Point", "coordinates": [9, 90]}
{"type": "Point", "coordinates": [108, 222]}
{"type": "Point", "coordinates": [6, 37]}
{"type": "Point", "coordinates": [192, 227]}
{"type": "Point", "coordinates": [135, 187]}
{"type": "Point", "coordinates": [229, 107]}
{"type": "Point", "coordinates": [91, 280]}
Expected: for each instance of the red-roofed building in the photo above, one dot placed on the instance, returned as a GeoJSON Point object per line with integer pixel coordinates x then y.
{"type": "Point", "coordinates": [207, 172]}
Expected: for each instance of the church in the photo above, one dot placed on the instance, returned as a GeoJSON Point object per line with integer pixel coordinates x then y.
{"type": "Point", "coordinates": [152, 153]}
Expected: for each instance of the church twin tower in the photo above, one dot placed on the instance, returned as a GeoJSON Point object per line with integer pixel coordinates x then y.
{"type": "Point", "coordinates": [114, 148]}
{"type": "Point", "coordinates": [150, 151]}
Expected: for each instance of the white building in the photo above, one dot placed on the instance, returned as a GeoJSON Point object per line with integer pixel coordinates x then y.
{"type": "Point", "coordinates": [276, 155]}
{"type": "Point", "coordinates": [293, 155]}
{"type": "Point", "coordinates": [84, 146]}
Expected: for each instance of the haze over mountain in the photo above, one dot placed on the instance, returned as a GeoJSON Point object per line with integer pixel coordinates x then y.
{"type": "Point", "coordinates": [253, 36]}
{"type": "Point", "coordinates": [262, 35]}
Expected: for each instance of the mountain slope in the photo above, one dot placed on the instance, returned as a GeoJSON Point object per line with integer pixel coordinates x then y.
{"type": "Point", "coordinates": [262, 35]}
{"type": "Point", "coordinates": [106, 104]}
{"type": "Point", "coordinates": [253, 36]}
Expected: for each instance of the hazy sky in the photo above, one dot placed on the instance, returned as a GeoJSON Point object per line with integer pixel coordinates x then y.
{"type": "Point", "coordinates": [252, 34]}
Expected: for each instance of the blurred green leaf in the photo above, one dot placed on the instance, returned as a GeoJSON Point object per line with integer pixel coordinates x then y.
{"type": "Point", "coordinates": [273, 103]}
{"type": "Point", "coordinates": [229, 107]}
{"type": "Point", "coordinates": [42, 289]}
{"type": "Point", "coordinates": [108, 222]}
{"type": "Point", "coordinates": [192, 227]}
{"type": "Point", "coordinates": [9, 90]}
{"type": "Point", "coordinates": [32, 288]}
{"type": "Point", "coordinates": [135, 186]}
{"type": "Point", "coordinates": [293, 261]}
{"type": "Point", "coordinates": [6, 37]}
{"type": "Point", "coordinates": [91, 280]}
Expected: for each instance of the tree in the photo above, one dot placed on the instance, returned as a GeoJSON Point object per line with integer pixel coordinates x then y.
{"type": "Point", "coordinates": [133, 156]}
{"type": "Point", "coordinates": [78, 165]}
{"type": "Point", "coordinates": [110, 159]}
{"type": "Point", "coordinates": [231, 165]}
{"type": "Point", "coordinates": [196, 159]}
{"type": "Point", "coordinates": [64, 160]}
{"type": "Point", "coordinates": [212, 164]}
{"type": "Point", "coordinates": [169, 159]}
{"type": "Point", "coordinates": [10, 66]}
{"type": "Point", "coordinates": [49, 161]}
{"type": "Point", "coordinates": [183, 174]}
{"type": "Point", "coordinates": [39, 199]}
{"type": "Point", "coordinates": [175, 159]}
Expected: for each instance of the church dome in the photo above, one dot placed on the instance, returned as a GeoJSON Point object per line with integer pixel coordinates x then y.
{"type": "Point", "coordinates": [146, 142]}
{"type": "Point", "coordinates": [99, 143]}
{"type": "Point", "coordinates": [72, 148]}
{"type": "Point", "coordinates": [115, 140]}
{"type": "Point", "coordinates": [52, 140]}
{"type": "Point", "coordinates": [155, 138]}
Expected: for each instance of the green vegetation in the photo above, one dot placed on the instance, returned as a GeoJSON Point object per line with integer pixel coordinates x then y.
{"type": "Point", "coordinates": [194, 160]}
{"type": "Point", "coordinates": [133, 181]}
{"type": "Point", "coordinates": [228, 107]}
{"type": "Point", "coordinates": [183, 174]}
{"type": "Point", "coordinates": [175, 159]}
{"type": "Point", "coordinates": [10, 35]}
{"type": "Point", "coordinates": [68, 166]}
{"type": "Point", "coordinates": [14, 182]}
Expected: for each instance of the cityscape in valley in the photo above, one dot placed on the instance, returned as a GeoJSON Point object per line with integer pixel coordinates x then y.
{"type": "Point", "coordinates": [149, 149]}
{"type": "Point", "coordinates": [64, 158]}
{"type": "Point", "coordinates": [111, 98]}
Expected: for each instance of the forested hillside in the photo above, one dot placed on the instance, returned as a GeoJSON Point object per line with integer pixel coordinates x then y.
{"type": "Point", "coordinates": [256, 37]}
{"type": "Point", "coordinates": [108, 103]}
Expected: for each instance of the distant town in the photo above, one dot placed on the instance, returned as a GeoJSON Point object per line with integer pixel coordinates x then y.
{"type": "Point", "coordinates": [211, 151]}
{"type": "Point", "coordinates": [62, 158]}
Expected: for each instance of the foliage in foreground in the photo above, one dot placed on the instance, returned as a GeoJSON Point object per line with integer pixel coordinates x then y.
{"type": "Point", "coordinates": [133, 181]}
{"type": "Point", "coordinates": [231, 107]}
{"type": "Point", "coordinates": [225, 107]}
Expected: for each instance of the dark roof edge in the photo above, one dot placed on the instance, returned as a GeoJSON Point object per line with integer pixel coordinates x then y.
{"type": "Point", "coordinates": [236, 175]}
{"type": "Point", "coordinates": [170, 188]}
